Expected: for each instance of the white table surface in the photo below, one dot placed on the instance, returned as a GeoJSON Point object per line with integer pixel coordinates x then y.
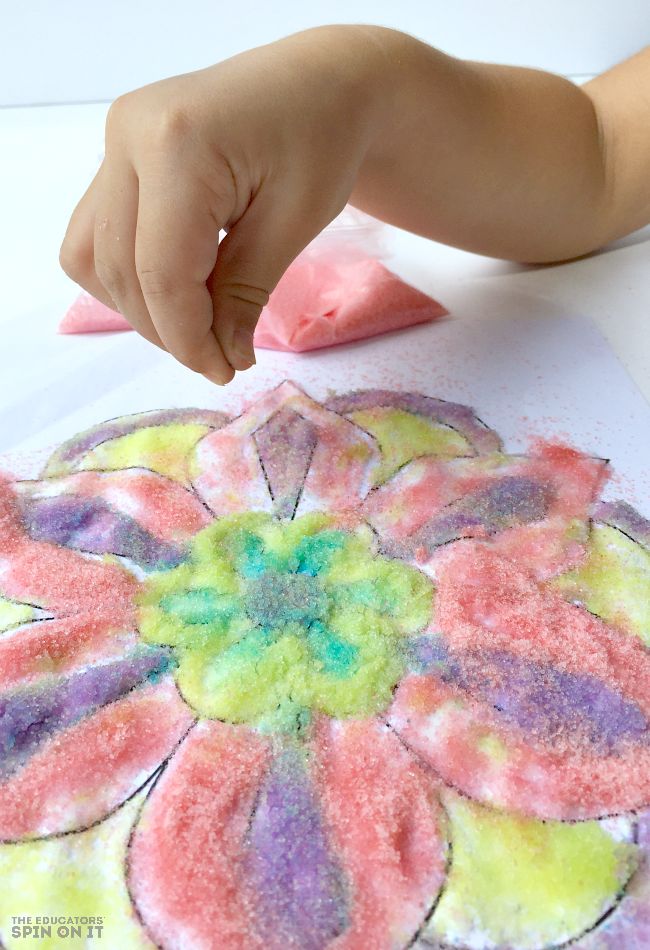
{"type": "Point", "coordinates": [49, 154]}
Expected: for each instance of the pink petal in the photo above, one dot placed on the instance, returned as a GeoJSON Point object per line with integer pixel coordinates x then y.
{"type": "Point", "coordinates": [186, 860]}
{"type": "Point", "coordinates": [164, 508]}
{"type": "Point", "coordinates": [544, 496]}
{"type": "Point", "coordinates": [328, 459]}
{"type": "Point", "coordinates": [60, 646]}
{"type": "Point", "coordinates": [56, 578]}
{"type": "Point", "coordinates": [87, 315]}
{"type": "Point", "coordinates": [386, 825]}
{"type": "Point", "coordinates": [86, 771]}
{"type": "Point", "coordinates": [531, 703]}
{"type": "Point", "coordinates": [247, 843]}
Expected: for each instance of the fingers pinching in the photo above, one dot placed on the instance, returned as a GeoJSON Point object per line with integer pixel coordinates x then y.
{"type": "Point", "coordinates": [251, 260]}
{"type": "Point", "coordinates": [175, 251]}
{"type": "Point", "coordinates": [114, 247]}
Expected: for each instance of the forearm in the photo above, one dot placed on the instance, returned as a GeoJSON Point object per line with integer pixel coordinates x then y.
{"type": "Point", "coordinates": [499, 160]}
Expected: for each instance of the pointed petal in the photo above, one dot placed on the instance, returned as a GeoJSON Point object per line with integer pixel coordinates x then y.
{"type": "Point", "coordinates": [328, 458]}
{"type": "Point", "coordinates": [69, 456]}
{"type": "Point", "coordinates": [528, 702]}
{"type": "Point", "coordinates": [56, 578]}
{"type": "Point", "coordinates": [387, 829]}
{"type": "Point", "coordinates": [534, 508]}
{"type": "Point", "coordinates": [85, 771]}
{"type": "Point", "coordinates": [285, 445]}
{"type": "Point", "coordinates": [460, 418]}
{"type": "Point", "coordinates": [186, 866]}
{"type": "Point", "coordinates": [612, 581]}
{"type": "Point", "coordinates": [621, 515]}
{"type": "Point", "coordinates": [134, 513]}
{"type": "Point", "coordinates": [15, 614]}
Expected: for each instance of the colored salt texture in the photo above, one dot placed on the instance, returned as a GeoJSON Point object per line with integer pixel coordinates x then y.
{"type": "Point", "coordinates": [342, 675]}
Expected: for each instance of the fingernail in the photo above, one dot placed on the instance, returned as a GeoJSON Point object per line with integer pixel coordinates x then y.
{"type": "Point", "coordinates": [242, 342]}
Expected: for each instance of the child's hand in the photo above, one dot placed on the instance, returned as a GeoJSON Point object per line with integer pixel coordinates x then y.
{"type": "Point", "coordinates": [267, 146]}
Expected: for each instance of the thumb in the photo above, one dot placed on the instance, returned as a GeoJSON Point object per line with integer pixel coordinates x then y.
{"type": "Point", "coordinates": [250, 261]}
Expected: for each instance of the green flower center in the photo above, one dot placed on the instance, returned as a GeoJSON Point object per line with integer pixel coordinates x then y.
{"type": "Point", "coordinates": [271, 620]}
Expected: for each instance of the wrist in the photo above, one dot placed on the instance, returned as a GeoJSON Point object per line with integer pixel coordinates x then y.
{"type": "Point", "coordinates": [366, 70]}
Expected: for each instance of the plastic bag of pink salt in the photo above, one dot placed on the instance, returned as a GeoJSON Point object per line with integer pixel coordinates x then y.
{"type": "Point", "coordinates": [336, 291]}
{"type": "Point", "coordinates": [87, 315]}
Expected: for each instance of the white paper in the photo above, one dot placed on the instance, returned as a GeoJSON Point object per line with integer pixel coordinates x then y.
{"type": "Point", "coordinates": [527, 371]}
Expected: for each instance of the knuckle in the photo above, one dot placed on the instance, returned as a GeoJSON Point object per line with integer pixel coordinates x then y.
{"type": "Point", "coordinates": [154, 281]}
{"type": "Point", "coordinates": [251, 295]}
{"type": "Point", "coordinates": [75, 260]}
{"type": "Point", "coordinates": [118, 111]}
{"type": "Point", "coordinates": [112, 278]}
{"type": "Point", "coordinates": [172, 124]}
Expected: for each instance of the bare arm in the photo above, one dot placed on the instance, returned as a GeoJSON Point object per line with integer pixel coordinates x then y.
{"type": "Point", "coordinates": [510, 162]}
{"type": "Point", "coordinates": [271, 144]}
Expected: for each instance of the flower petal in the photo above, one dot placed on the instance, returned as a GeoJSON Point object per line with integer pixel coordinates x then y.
{"type": "Point", "coordinates": [534, 507]}
{"type": "Point", "coordinates": [627, 519]}
{"type": "Point", "coordinates": [186, 866]}
{"type": "Point", "coordinates": [460, 418]}
{"type": "Point", "coordinates": [301, 887]}
{"type": "Point", "coordinates": [628, 927]}
{"type": "Point", "coordinates": [15, 614]}
{"type": "Point", "coordinates": [387, 829]}
{"type": "Point", "coordinates": [162, 449]}
{"type": "Point", "coordinates": [613, 580]}
{"type": "Point", "coordinates": [56, 578]}
{"type": "Point", "coordinates": [134, 513]}
{"type": "Point", "coordinates": [83, 772]}
{"type": "Point", "coordinates": [285, 445]}
{"type": "Point", "coordinates": [73, 453]}
{"type": "Point", "coordinates": [518, 882]}
{"type": "Point", "coordinates": [33, 713]}
{"type": "Point", "coordinates": [248, 843]}
{"type": "Point", "coordinates": [403, 436]}
{"type": "Point", "coordinates": [74, 876]}
{"type": "Point", "coordinates": [528, 702]}
{"type": "Point", "coordinates": [284, 454]}
{"type": "Point", "coordinates": [58, 646]}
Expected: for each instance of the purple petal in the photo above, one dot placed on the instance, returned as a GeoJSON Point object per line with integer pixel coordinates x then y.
{"type": "Point", "coordinates": [285, 445]}
{"type": "Point", "coordinates": [539, 699]}
{"type": "Point", "coordinates": [505, 503]}
{"type": "Point", "coordinates": [90, 524]}
{"type": "Point", "coordinates": [30, 715]}
{"type": "Point", "coordinates": [301, 886]}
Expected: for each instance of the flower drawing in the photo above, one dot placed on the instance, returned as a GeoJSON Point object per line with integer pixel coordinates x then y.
{"type": "Point", "coordinates": [350, 675]}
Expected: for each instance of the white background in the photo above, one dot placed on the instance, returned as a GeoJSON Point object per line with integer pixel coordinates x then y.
{"type": "Point", "coordinates": [89, 50]}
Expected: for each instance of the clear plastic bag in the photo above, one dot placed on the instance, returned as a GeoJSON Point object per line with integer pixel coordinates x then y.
{"type": "Point", "coordinates": [339, 290]}
{"type": "Point", "coordinates": [359, 233]}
